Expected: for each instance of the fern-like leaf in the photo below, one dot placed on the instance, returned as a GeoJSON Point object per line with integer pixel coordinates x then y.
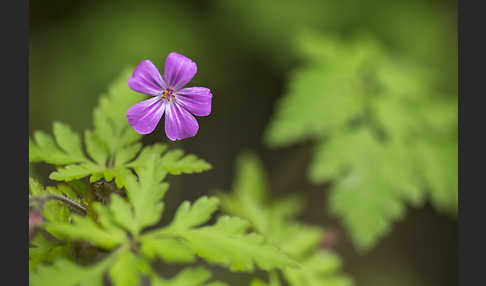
{"type": "Point", "coordinates": [188, 277]}
{"type": "Point", "coordinates": [277, 222]}
{"type": "Point", "coordinates": [65, 272]}
{"type": "Point", "coordinates": [226, 243]}
{"type": "Point", "coordinates": [372, 116]}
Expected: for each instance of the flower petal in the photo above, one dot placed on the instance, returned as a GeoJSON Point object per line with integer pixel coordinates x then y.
{"type": "Point", "coordinates": [196, 99]}
{"type": "Point", "coordinates": [146, 79]}
{"type": "Point", "coordinates": [145, 115]}
{"type": "Point", "coordinates": [179, 123]}
{"type": "Point", "coordinates": [178, 70]}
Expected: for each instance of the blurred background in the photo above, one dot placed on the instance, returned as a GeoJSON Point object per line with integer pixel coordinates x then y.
{"type": "Point", "coordinates": [245, 51]}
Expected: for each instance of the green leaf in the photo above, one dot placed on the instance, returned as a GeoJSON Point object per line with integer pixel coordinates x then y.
{"type": "Point", "coordinates": [146, 193]}
{"type": "Point", "coordinates": [439, 171]}
{"type": "Point", "coordinates": [249, 191]}
{"type": "Point", "coordinates": [111, 136]}
{"type": "Point", "coordinates": [67, 150]}
{"type": "Point", "coordinates": [127, 268]}
{"type": "Point", "coordinates": [69, 141]}
{"type": "Point", "coordinates": [123, 268]}
{"type": "Point", "coordinates": [370, 114]}
{"type": "Point", "coordinates": [188, 277]}
{"type": "Point", "coordinates": [175, 164]}
{"type": "Point", "coordinates": [367, 199]}
{"type": "Point", "coordinates": [251, 180]}
{"type": "Point", "coordinates": [122, 214]}
{"type": "Point", "coordinates": [273, 277]}
{"type": "Point", "coordinates": [53, 210]}
{"type": "Point", "coordinates": [81, 189]}
{"type": "Point", "coordinates": [42, 250]}
{"type": "Point", "coordinates": [64, 189]}
{"type": "Point", "coordinates": [146, 153]}
{"type": "Point", "coordinates": [109, 116]}
{"type": "Point", "coordinates": [143, 208]}
{"type": "Point", "coordinates": [35, 189]}
{"type": "Point", "coordinates": [171, 250]}
{"type": "Point", "coordinates": [226, 243]}
{"type": "Point", "coordinates": [64, 272]}
{"type": "Point", "coordinates": [83, 228]}
{"type": "Point", "coordinates": [96, 150]}
{"type": "Point", "coordinates": [127, 154]}
{"type": "Point", "coordinates": [276, 220]}
{"type": "Point", "coordinates": [188, 216]}
{"type": "Point", "coordinates": [298, 119]}
{"type": "Point", "coordinates": [317, 270]}
{"type": "Point", "coordinates": [73, 172]}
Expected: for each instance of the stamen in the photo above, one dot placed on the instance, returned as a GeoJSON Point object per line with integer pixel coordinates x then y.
{"type": "Point", "coordinates": [168, 94]}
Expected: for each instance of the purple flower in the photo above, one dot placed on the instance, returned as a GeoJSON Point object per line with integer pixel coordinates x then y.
{"type": "Point", "coordinates": [169, 96]}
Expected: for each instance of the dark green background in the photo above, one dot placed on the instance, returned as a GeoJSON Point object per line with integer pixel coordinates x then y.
{"type": "Point", "coordinates": [244, 51]}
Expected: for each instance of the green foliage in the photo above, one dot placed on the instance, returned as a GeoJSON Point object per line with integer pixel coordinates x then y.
{"type": "Point", "coordinates": [145, 195]}
{"type": "Point", "coordinates": [64, 272]}
{"type": "Point", "coordinates": [277, 222]}
{"type": "Point", "coordinates": [225, 243]}
{"type": "Point", "coordinates": [273, 278]}
{"type": "Point", "coordinates": [188, 277]}
{"type": "Point", "coordinates": [188, 215]}
{"type": "Point", "coordinates": [48, 248]}
{"type": "Point", "coordinates": [45, 149]}
{"type": "Point", "coordinates": [84, 228]}
{"type": "Point", "coordinates": [112, 219]}
{"type": "Point", "coordinates": [111, 148]}
{"type": "Point", "coordinates": [123, 267]}
{"type": "Point", "coordinates": [318, 269]}
{"type": "Point", "coordinates": [43, 250]}
{"type": "Point", "coordinates": [169, 249]}
{"type": "Point", "coordinates": [53, 210]}
{"type": "Point", "coordinates": [386, 133]}
{"type": "Point", "coordinates": [127, 269]}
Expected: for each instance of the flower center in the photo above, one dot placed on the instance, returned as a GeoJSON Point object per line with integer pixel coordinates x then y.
{"type": "Point", "coordinates": [168, 94]}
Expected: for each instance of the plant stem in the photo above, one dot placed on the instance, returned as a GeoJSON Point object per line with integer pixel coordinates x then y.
{"type": "Point", "coordinates": [77, 207]}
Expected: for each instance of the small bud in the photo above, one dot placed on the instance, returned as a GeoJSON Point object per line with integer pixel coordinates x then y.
{"type": "Point", "coordinates": [330, 238]}
{"type": "Point", "coordinates": [35, 220]}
